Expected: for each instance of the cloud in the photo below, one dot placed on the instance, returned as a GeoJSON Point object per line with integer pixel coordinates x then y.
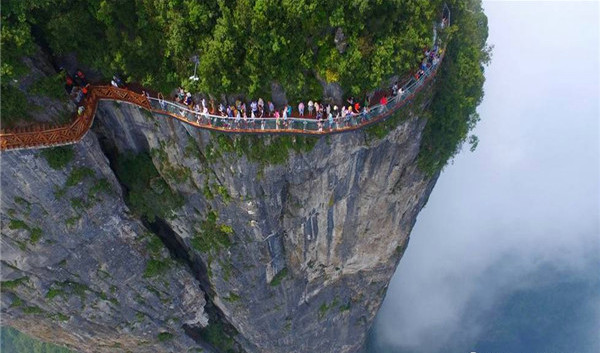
{"type": "Point", "coordinates": [526, 203]}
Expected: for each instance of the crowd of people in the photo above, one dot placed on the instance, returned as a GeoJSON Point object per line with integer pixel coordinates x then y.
{"type": "Point", "coordinates": [242, 115]}
{"type": "Point", "coordinates": [77, 88]}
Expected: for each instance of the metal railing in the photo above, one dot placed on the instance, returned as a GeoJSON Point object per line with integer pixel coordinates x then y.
{"type": "Point", "coordinates": [45, 135]}
{"type": "Point", "coordinates": [294, 124]}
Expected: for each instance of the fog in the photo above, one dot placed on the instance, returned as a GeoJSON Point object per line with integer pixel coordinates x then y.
{"type": "Point", "coordinates": [521, 213]}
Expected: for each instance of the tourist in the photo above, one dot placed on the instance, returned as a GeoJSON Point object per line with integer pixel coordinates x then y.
{"type": "Point", "coordinates": [310, 107]}
{"type": "Point", "coordinates": [254, 107]}
{"type": "Point", "coordinates": [237, 119]}
{"type": "Point", "coordinates": [69, 84]}
{"type": "Point", "coordinates": [383, 101]}
{"type": "Point", "coordinates": [301, 109]}
{"type": "Point", "coordinates": [277, 119]}
{"type": "Point", "coordinates": [319, 121]}
{"type": "Point", "coordinates": [348, 116]}
{"type": "Point", "coordinates": [205, 114]}
{"type": "Point", "coordinates": [79, 76]}
{"type": "Point", "coordinates": [118, 81]}
{"type": "Point", "coordinates": [285, 115]}
{"type": "Point", "coordinates": [261, 103]}
{"type": "Point", "coordinates": [330, 120]}
{"type": "Point", "coordinates": [188, 99]}
{"type": "Point", "coordinates": [271, 108]}
{"type": "Point", "coordinates": [161, 101]}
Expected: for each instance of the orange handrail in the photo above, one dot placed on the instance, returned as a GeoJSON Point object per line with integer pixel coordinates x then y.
{"type": "Point", "coordinates": [45, 135]}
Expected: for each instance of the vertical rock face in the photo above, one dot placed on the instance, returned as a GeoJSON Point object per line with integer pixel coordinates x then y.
{"type": "Point", "coordinates": [296, 257]}
{"type": "Point", "coordinates": [75, 264]}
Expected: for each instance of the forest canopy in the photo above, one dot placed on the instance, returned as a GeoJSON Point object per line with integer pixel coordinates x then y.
{"type": "Point", "coordinates": [242, 46]}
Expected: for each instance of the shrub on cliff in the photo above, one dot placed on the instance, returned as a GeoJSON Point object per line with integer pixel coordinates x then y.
{"type": "Point", "coordinates": [459, 88]}
{"type": "Point", "coordinates": [242, 46]}
{"type": "Point", "coordinates": [148, 195]}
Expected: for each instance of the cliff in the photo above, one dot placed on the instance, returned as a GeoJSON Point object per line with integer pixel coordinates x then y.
{"type": "Point", "coordinates": [242, 254]}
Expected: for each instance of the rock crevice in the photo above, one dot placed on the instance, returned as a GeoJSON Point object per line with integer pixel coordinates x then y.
{"type": "Point", "coordinates": [279, 257]}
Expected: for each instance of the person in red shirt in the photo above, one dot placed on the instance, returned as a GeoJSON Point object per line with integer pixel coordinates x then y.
{"type": "Point", "coordinates": [383, 101]}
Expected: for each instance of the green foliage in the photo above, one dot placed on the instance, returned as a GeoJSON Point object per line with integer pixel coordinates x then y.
{"type": "Point", "coordinates": [17, 342]}
{"type": "Point", "coordinates": [50, 86]}
{"type": "Point", "coordinates": [242, 46]}
{"type": "Point", "coordinates": [165, 336]}
{"type": "Point", "coordinates": [61, 317]}
{"type": "Point", "coordinates": [155, 268]}
{"type": "Point", "coordinates": [232, 297]}
{"type": "Point", "coordinates": [12, 284]}
{"type": "Point", "coordinates": [13, 105]}
{"type": "Point", "coordinates": [215, 334]}
{"type": "Point", "coordinates": [70, 222]}
{"type": "Point", "coordinates": [179, 174]}
{"type": "Point", "coordinates": [78, 174]}
{"type": "Point", "coordinates": [58, 157]}
{"type": "Point", "coordinates": [17, 224]}
{"type": "Point", "coordinates": [324, 308]}
{"type": "Point", "coordinates": [154, 244]}
{"type": "Point", "coordinates": [77, 203]}
{"type": "Point", "coordinates": [156, 265]}
{"type": "Point", "coordinates": [221, 190]}
{"type": "Point", "coordinates": [16, 303]}
{"type": "Point", "coordinates": [266, 151]}
{"type": "Point", "coordinates": [212, 236]}
{"type": "Point", "coordinates": [207, 193]}
{"type": "Point", "coordinates": [54, 292]}
{"type": "Point", "coordinates": [279, 277]}
{"type": "Point", "coordinates": [460, 87]}
{"type": "Point", "coordinates": [101, 185]}
{"type": "Point", "coordinates": [32, 310]}
{"type": "Point", "coordinates": [35, 233]}
{"type": "Point", "coordinates": [148, 195]}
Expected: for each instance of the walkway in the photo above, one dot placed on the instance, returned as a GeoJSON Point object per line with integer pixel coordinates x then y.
{"type": "Point", "coordinates": [46, 135]}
